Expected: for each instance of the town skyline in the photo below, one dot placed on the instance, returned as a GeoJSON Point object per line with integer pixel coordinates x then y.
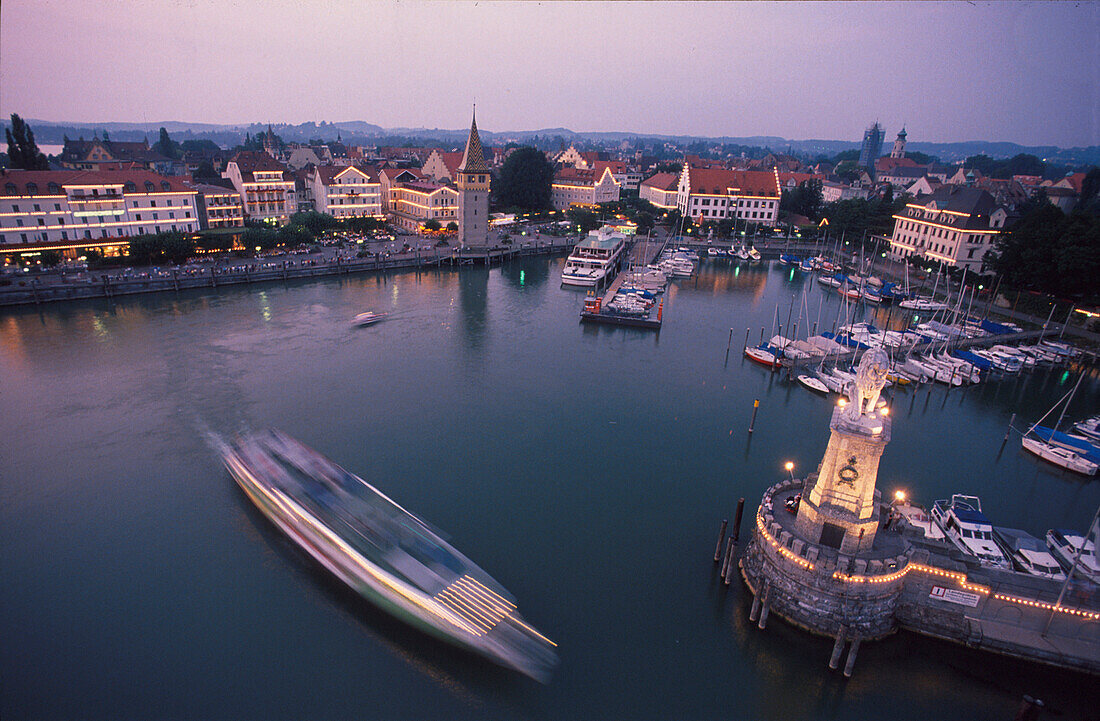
{"type": "Point", "coordinates": [827, 72]}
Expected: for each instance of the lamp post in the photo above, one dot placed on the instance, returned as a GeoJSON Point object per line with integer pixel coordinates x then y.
{"type": "Point", "coordinates": [789, 465]}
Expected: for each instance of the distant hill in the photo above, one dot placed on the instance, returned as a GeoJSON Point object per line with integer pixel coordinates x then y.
{"type": "Point", "coordinates": [358, 131]}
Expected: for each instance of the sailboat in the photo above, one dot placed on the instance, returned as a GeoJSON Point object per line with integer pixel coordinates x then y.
{"type": "Point", "coordinates": [1059, 455]}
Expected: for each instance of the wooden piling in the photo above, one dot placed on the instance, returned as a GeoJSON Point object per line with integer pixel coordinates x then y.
{"type": "Point", "coordinates": [718, 546]}
{"type": "Point", "coordinates": [727, 564]}
{"type": "Point", "coordinates": [1008, 430]}
{"type": "Point", "coordinates": [755, 407]}
{"type": "Point", "coordinates": [747, 330]}
{"type": "Point", "coordinates": [754, 612]}
{"type": "Point", "coordinates": [1029, 710]}
{"type": "Point", "coordinates": [762, 624]}
{"type": "Point", "coordinates": [851, 662]}
{"type": "Point", "coordinates": [737, 519]}
{"type": "Point", "coordinates": [838, 648]}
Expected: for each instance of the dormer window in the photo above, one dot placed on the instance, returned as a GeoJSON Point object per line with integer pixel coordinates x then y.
{"type": "Point", "coordinates": [149, 187]}
{"type": "Point", "coordinates": [130, 187]}
{"type": "Point", "coordinates": [53, 188]}
{"type": "Point", "coordinates": [165, 186]}
{"type": "Point", "coordinates": [32, 188]}
{"type": "Point", "coordinates": [10, 189]}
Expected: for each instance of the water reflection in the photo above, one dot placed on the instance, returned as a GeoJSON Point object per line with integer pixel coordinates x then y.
{"type": "Point", "coordinates": [473, 302]}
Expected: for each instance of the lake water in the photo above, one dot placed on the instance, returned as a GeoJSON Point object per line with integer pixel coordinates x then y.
{"type": "Point", "coordinates": [585, 468]}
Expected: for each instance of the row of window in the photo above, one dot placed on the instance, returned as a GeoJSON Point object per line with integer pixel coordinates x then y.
{"type": "Point", "coordinates": [44, 237]}
{"type": "Point", "coordinates": [37, 207]}
{"type": "Point", "coordinates": [55, 189]}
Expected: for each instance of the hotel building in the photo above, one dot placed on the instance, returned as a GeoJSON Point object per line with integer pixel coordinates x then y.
{"type": "Point", "coordinates": [345, 191]}
{"type": "Point", "coordinates": [73, 210]}
{"type": "Point", "coordinates": [710, 194]}
{"type": "Point", "coordinates": [955, 225]}
{"type": "Point", "coordinates": [265, 185]}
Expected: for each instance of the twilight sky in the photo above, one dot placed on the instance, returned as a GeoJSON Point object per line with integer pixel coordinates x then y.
{"type": "Point", "coordinates": [1023, 72]}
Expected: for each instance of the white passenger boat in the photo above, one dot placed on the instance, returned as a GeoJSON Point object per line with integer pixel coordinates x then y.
{"type": "Point", "coordinates": [1070, 548]}
{"type": "Point", "coordinates": [1059, 456]}
{"type": "Point", "coordinates": [594, 258]}
{"type": "Point", "coordinates": [1027, 553]}
{"type": "Point", "coordinates": [384, 552]}
{"type": "Point", "coordinates": [966, 527]}
{"type": "Point", "coordinates": [368, 318]}
{"type": "Point", "coordinates": [922, 304]}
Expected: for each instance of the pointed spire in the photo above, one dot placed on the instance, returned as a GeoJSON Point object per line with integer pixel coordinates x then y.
{"type": "Point", "coordinates": [473, 160]}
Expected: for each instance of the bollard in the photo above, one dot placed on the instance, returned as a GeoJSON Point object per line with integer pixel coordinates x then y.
{"type": "Point", "coordinates": [755, 406]}
{"type": "Point", "coordinates": [838, 648]}
{"type": "Point", "coordinates": [851, 662]}
{"type": "Point", "coordinates": [737, 519]}
{"type": "Point", "coordinates": [718, 547]}
{"type": "Point", "coordinates": [727, 565]}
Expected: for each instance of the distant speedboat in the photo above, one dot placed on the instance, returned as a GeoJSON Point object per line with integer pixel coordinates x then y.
{"type": "Point", "coordinates": [368, 318]}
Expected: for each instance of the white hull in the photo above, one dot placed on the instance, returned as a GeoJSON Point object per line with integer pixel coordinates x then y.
{"type": "Point", "coordinates": [1059, 456]}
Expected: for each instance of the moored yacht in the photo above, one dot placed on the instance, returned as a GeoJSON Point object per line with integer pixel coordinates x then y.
{"type": "Point", "coordinates": [1070, 548]}
{"type": "Point", "coordinates": [594, 258]}
{"type": "Point", "coordinates": [966, 527]}
{"type": "Point", "coordinates": [1027, 553]}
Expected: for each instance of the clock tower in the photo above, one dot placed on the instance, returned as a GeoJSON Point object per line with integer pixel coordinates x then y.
{"type": "Point", "coordinates": [472, 183]}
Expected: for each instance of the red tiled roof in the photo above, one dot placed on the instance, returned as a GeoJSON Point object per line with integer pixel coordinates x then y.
{"type": "Point", "coordinates": [63, 178]}
{"type": "Point", "coordinates": [718, 181]}
{"type": "Point", "coordinates": [663, 181]}
{"type": "Point", "coordinates": [616, 166]}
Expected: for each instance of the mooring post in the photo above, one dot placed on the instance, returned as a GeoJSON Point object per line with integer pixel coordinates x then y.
{"type": "Point", "coordinates": [718, 546]}
{"type": "Point", "coordinates": [729, 342]}
{"type": "Point", "coordinates": [747, 330]}
{"type": "Point", "coordinates": [851, 662]}
{"type": "Point", "coordinates": [761, 334]}
{"type": "Point", "coordinates": [764, 606]}
{"type": "Point", "coordinates": [1008, 430]}
{"type": "Point", "coordinates": [737, 519]}
{"type": "Point", "coordinates": [754, 612]}
{"type": "Point", "coordinates": [755, 407]}
{"type": "Point", "coordinates": [838, 648]}
{"type": "Point", "coordinates": [727, 564]}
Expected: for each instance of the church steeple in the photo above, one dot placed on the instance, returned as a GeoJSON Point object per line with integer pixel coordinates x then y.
{"type": "Point", "coordinates": [473, 160]}
{"type": "Point", "coordinates": [899, 145]}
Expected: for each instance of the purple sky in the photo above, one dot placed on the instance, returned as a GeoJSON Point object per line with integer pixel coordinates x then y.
{"type": "Point", "coordinates": [1022, 72]}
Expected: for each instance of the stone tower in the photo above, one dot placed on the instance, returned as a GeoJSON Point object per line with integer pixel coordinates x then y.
{"type": "Point", "coordinates": [839, 507]}
{"type": "Point", "coordinates": [899, 146]}
{"type": "Point", "coordinates": [472, 183]}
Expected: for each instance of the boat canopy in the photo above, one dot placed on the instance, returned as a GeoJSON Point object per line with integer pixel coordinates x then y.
{"type": "Point", "coordinates": [995, 328]}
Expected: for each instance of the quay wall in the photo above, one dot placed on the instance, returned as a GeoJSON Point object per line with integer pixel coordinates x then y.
{"type": "Point", "coordinates": [31, 291]}
{"type": "Point", "coordinates": [929, 588]}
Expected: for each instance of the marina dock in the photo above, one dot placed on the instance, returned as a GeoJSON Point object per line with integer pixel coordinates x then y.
{"type": "Point", "coordinates": [640, 255]}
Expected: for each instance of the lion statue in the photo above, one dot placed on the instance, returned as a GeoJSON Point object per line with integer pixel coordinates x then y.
{"type": "Point", "coordinates": [870, 379]}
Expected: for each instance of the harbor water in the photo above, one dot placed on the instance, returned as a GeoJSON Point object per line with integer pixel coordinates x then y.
{"type": "Point", "coordinates": [586, 468]}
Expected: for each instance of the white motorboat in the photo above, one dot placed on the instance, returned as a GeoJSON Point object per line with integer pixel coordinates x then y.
{"type": "Point", "coordinates": [1027, 553]}
{"type": "Point", "coordinates": [966, 527]}
{"type": "Point", "coordinates": [1089, 428]}
{"type": "Point", "coordinates": [594, 258]}
{"type": "Point", "coordinates": [918, 518]}
{"type": "Point", "coordinates": [1071, 548]}
{"type": "Point", "coordinates": [813, 383]}
{"type": "Point", "coordinates": [833, 383]}
{"type": "Point", "coordinates": [1059, 456]}
{"type": "Point", "coordinates": [368, 318]}
{"type": "Point", "coordinates": [922, 304]}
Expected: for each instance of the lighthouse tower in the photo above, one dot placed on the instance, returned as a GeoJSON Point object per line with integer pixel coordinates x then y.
{"type": "Point", "coordinates": [472, 183]}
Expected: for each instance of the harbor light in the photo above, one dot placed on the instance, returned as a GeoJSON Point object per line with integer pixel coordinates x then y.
{"type": "Point", "coordinates": [884, 411]}
{"type": "Point", "coordinates": [899, 496]}
{"type": "Point", "coordinates": [842, 402]}
{"type": "Point", "coordinates": [789, 465]}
